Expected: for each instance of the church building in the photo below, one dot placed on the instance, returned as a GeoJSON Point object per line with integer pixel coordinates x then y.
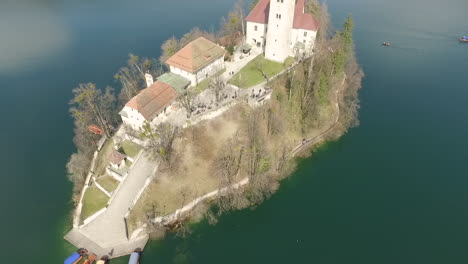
{"type": "Point", "coordinates": [282, 29]}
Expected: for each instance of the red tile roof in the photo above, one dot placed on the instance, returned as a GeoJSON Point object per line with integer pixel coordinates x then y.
{"type": "Point", "coordinates": [196, 55]}
{"type": "Point", "coordinates": [301, 20]}
{"type": "Point", "coordinates": [152, 100]}
{"type": "Point", "coordinates": [260, 12]}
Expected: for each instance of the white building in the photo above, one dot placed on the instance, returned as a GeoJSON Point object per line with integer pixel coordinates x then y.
{"type": "Point", "coordinates": [151, 103]}
{"type": "Point", "coordinates": [281, 28]}
{"type": "Point", "coordinates": [198, 60]}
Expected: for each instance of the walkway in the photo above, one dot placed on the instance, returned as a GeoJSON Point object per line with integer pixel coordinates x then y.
{"type": "Point", "coordinates": [238, 63]}
{"type": "Point", "coordinates": [315, 139]}
{"type": "Point", "coordinates": [107, 233]}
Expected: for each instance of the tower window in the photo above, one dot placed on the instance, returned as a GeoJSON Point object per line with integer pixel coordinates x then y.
{"type": "Point", "coordinates": [305, 33]}
{"type": "Point", "coordinates": [255, 28]}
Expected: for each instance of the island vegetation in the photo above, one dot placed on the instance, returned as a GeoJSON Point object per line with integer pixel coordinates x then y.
{"type": "Point", "coordinates": [314, 101]}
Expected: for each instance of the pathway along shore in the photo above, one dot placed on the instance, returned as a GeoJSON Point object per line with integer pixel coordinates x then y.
{"type": "Point", "coordinates": [317, 138]}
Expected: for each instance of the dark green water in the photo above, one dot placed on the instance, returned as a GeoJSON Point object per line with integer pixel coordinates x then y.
{"type": "Point", "coordinates": [393, 190]}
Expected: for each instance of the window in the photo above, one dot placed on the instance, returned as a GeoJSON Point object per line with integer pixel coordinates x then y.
{"type": "Point", "coordinates": [255, 28]}
{"type": "Point", "coordinates": [305, 33]}
{"type": "Point", "coordinates": [278, 16]}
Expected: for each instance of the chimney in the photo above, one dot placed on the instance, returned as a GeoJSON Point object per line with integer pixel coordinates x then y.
{"type": "Point", "coordinates": [149, 79]}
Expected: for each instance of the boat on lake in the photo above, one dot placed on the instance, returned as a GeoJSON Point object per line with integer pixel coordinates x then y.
{"type": "Point", "coordinates": [76, 257]}
{"type": "Point", "coordinates": [464, 39]}
{"type": "Point", "coordinates": [386, 44]}
{"type": "Point", "coordinates": [135, 257]}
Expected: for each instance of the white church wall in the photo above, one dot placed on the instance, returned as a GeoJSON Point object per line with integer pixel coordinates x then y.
{"type": "Point", "coordinates": [307, 37]}
{"type": "Point", "coordinates": [133, 118]}
{"type": "Point", "coordinates": [210, 69]}
{"type": "Point", "coordinates": [256, 33]}
{"type": "Point", "coordinates": [185, 74]}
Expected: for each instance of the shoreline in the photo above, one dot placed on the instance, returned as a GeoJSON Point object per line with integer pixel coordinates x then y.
{"type": "Point", "coordinates": [234, 156]}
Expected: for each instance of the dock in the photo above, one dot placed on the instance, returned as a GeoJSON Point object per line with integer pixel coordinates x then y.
{"type": "Point", "coordinates": [122, 248]}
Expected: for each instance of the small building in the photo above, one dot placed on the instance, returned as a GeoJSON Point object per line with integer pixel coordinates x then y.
{"type": "Point", "coordinates": [117, 159]}
{"type": "Point", "coordinates": [153, 101]}
{"type": "Point", "coordinates": [282, 29]}
{"type": "Point", "coordinates": [198, 60]}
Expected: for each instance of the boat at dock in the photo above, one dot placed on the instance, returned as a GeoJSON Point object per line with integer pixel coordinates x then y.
{"type": "Point", "coordinates": [135, 257]}
{"type": "Point", "coordinates": [103, 260]}
{"type": "Point", "coordinates": [91, 259]}
{"type": "Point", "coordinates": [76, 257]}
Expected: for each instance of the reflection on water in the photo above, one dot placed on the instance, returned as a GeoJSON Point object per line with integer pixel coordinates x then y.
{"type": "Point", "coordinates": [28, 37]}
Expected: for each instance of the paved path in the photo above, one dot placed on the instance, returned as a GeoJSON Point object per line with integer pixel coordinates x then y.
{"type": "Point", "coordinates": [107, 232]}
{"type": "Point", "coordinates": [236, 65]}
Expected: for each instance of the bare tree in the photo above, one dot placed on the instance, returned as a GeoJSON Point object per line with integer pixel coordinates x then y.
{"type": "Point", "coordinates": [132, 76]}
{"type": "Point", "coordinates": [188, 101]}
{"type": "Point", "coordinates": [217, 86]}
{"type": "Point", "coordinates": [161, 139]}
{"type": "Point", "coordinates": [235, 21]}
{"type": "Point", "coordinates": [227, 164]}
{"type": "Point", "coordinates": [260, 65]}
{"type": "Point", "coordinates": [169, 48]}
{"type": "Point", "coordinates": [89, 104]}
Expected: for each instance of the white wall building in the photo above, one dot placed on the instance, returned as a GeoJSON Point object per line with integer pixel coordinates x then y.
{"type": "Point", "coordinates": [281, 28]}
{"type": "Point", "coordinates": [148, 105]}
{"type": "Point", "coordinates": [198, 60]}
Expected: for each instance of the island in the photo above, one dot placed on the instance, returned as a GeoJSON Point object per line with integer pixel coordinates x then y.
{"type": "Point", "coordinates": [215, 124]}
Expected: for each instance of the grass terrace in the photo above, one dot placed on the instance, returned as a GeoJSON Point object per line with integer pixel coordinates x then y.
{"type": "Point", "coordinates": [108, 183]}
{"type": "Point", "coordinates": [130, 148]}
{"type": "Point", "coordinates": [103, 157]}
{"type": "Point", "coordinates": [250, 75]}
{"type": "Point", "coordinates": [93, 201]}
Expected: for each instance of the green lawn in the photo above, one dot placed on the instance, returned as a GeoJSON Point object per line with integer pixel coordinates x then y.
{"type": "Point", "coordinates": [93, 201]}
{"type": "Point", "coordinates": [103, 157]}
{"type": "Point", "coordinates": [250, 75]}
{"type": "Point", "coordinates": [108, 183]}
{"type": "Point", "coordinates": [130, 148]}
{"type": "Point", "coordinates": [128, 163]}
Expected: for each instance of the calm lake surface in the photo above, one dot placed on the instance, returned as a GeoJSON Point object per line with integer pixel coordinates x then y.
{"type": "Point", "coordinates": [393, 190]}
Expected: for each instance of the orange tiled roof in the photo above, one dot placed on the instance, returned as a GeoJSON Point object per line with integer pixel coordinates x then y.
{"type": "Point", "coordinates": [303, 20]}
{"type": "Point", "coordinates": [196, 55]}
{"type": "Point", "coordinates": [152, 100]}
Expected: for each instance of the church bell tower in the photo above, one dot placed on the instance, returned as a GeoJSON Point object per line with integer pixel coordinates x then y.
{"type": "Point", "coordinates": [280, 24]}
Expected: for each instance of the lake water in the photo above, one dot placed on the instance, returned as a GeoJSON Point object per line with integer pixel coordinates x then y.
{"type": "Point", "coordinates": [393, 190]}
